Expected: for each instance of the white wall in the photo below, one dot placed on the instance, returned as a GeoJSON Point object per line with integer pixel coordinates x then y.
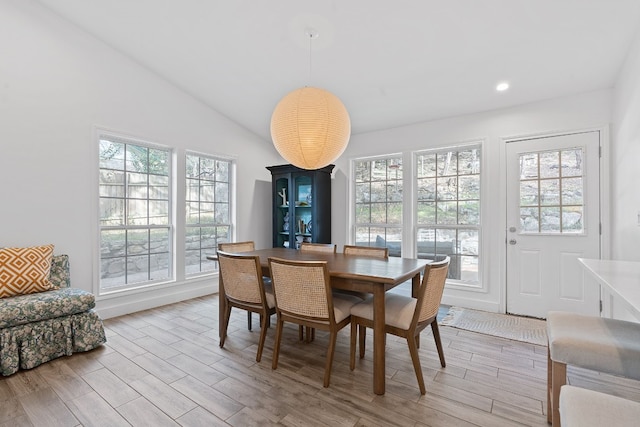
{"type": "Point", "coordinates": [56, 85]}
{"type": "Point", "coordinates": [589, 110]}
{"type": "Point", "coordinates": [625, 160]}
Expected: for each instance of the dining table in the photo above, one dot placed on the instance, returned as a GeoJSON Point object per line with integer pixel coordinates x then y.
{"type": "Point", "coordinates": [360, 274]}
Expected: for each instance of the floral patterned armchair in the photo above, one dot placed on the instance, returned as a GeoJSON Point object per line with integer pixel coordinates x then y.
{"type": "Point", "coordinates": [37, 328]}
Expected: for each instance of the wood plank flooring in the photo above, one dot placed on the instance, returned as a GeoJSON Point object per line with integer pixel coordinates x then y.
{"type": "Point", "coordinates": [164, 367]}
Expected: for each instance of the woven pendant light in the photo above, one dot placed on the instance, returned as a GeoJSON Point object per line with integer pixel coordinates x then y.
{"type": "Point", "coordinates": [310, 128]}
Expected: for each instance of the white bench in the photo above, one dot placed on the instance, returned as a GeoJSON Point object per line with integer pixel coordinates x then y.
{"type": "Point", "coordinates": [580, 407]}
{"type": "Point", "coordinates": [596, 343]}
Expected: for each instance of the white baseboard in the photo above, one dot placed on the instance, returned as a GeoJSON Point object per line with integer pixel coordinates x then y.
{"type": "Point", "coordinates": [131, 303]}
{"type": "Point", "coordinates": [151, 298]}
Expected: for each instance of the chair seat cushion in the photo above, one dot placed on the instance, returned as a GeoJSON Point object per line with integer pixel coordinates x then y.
{"type": "Point", "coordinates": [399, 310]}
{"type": "Point", "coordinates": [268, 293]}
{"type": "Point", "coordinates": [342, 305]}
{"type": "Point", "coordinates": [29, 308]}
{"type": "Point", "coordinates": [604, 345]}
{"type": "Point", "coordinates": [585, 408]}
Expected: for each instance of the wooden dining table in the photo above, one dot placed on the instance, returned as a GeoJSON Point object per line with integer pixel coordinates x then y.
{"type": "Point", "coordinates": [361, 274]}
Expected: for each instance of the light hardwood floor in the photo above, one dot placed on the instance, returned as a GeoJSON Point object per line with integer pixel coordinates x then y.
{"type": "Point", "coordinates": [165, 367]}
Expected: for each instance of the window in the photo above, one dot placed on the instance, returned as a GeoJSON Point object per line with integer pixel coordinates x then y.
{"type": "Point", "coordinates": [448, 209]}
{"type": "Point", "coordinates": [135, 214]}
{"type": "Point", "coordinates": [208, 190]}
{"type": "Point", "coordinates": [378, 203]}
{"type": "Point", "coordinates": [140, 238]}
{"type": "Point", "coordinates": [551, 188]}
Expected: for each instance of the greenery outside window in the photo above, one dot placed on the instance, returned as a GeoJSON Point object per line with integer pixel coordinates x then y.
{"type": "Point", "coordinates": [448, 209]}
{"type": "Point", "coordinates": [208, 205]}
{"type": "Point", "coordinates": [378, 203]}
{"type": "Point", "coordinates": [135, 215]}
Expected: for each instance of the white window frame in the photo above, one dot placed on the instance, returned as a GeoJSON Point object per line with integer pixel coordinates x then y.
{"type": "Point", "coordinates": [476, 285]}
{"type": "Point", "coordinates": [116, 138]}
{"type": "Point", "coordinates": [213, 266]}
{"type": "Point", "coordinates": [177, 217]}
{"type": "Point", "coordinates": [353, 209]}
{"type": "Point", "coordinates": [409, 198]}
{"type": "Point", "coordinates": [561, 205]}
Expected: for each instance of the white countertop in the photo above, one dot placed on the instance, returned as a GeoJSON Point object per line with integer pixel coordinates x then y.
{"type": "Point", "coordinates": [620, 278]}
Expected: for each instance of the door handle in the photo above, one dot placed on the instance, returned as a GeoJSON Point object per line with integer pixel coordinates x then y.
{"type": "Point", "coordinates": [512, 241]}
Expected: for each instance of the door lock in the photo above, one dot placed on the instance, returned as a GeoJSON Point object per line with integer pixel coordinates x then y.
{"type": "Point", "coordinates": [512, 229]}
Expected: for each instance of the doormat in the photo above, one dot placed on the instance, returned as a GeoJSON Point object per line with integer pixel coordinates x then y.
{"type": "Point", "coordinates": [508, 326]}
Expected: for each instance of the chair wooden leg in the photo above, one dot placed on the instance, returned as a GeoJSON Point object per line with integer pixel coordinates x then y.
{"type": "Point", "coordinates": [311, 334]}
{"type": "Point", "coordinates": [263, 335]}
{"type": "Point", "coordinates": [330, 352]}
{"type": "Point", "coordinates": [276, 345]}
{"type": "Point", "coordinates": [249, 320]}
{"type": "Point", "coordinates": [436, 337]}
{"type": "Point", "coordinates": [362, 335]}
{"type": "Point", "coordinates": [300, 332]}
{"type": "Point", "coordinates": [549, 378]}
{"type": "Point", "coordinates": [413, 350]}
{"type": "Point", "coordinates": [225, 324]}
{"type": "Point", "coordinates": [352, 345]}
{"type": "Point", "coordinates": [558, 379]}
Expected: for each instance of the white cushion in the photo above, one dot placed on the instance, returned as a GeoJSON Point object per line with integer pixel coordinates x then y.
{"type": "Point", "coordinates": [600, 344]}
{"type": "Point", "coordinates": [399, 310]}
{"type": "Point", "coordinates": [342, 306]}
{"type": "Point", "coordinates": [580, 407]}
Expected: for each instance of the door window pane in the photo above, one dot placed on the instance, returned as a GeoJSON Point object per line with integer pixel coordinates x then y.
{"type": "Point", "coordinates": [572, 191]}
{"type": "Point", "coordinates": [571, 162]}
{"type": "Point", "coordinates": [551, 191]}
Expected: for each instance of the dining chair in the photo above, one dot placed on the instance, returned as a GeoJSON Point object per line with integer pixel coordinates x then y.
{"type": "Point", "coordinates": [329, 248]}
{"type": "Point", "coordinates": [371, 251]}
{"type": "Point", "coordinates": [303, 296]}
{"type": "Point", "coordinates": [245, 289]}
{"type": "Point", "coordinates": [235, 247]}
{"type": "Point", "coordinates": [405, 317]}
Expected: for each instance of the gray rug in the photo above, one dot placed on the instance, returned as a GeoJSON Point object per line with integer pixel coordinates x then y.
{"type": "Point", "coordinates": [508, 326]}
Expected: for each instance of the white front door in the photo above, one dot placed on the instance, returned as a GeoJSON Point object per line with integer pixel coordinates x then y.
{"type": "Point", "coordinates": [553, 218]}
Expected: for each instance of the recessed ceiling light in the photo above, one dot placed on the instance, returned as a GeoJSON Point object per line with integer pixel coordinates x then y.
{"type": "Point", "coordinates": [501, 87]}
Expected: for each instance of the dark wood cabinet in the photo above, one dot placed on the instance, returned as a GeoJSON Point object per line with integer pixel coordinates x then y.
{"type": "Point", "coordinates": [301, 205]}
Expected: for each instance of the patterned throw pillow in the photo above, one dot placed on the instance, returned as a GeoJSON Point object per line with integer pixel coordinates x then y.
{"type": "Point", "coordinates": [25, 270]}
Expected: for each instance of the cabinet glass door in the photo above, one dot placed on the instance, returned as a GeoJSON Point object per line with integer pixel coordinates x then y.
{"type": "Point", "coordinates": [283, 216]}
{"type": "Point", "coordinates": [303, 200]}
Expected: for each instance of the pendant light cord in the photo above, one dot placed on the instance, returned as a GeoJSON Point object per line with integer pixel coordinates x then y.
{"type": "Point", "coordinates": [312, 34]}
{"type": "Point", "coordinates": [309, 77]}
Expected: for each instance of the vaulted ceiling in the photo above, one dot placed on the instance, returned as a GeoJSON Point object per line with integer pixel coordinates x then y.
{"type": "Point", "coordinates": [392, 63]}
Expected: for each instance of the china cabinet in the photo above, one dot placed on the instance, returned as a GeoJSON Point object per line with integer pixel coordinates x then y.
{"type": "Point", "coordinates": [301, 205]}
